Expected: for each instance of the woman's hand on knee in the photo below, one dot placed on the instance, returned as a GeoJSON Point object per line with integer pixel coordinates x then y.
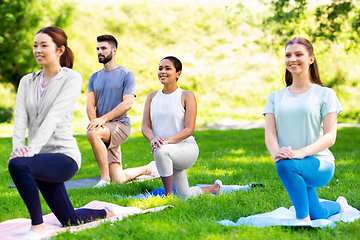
{"type": "Point", "coordinates": [283, 153]}
{"type": "Point", "coordinates": [299, 154]}
{"type": "Point", "coordinates": [12, 157]}
{"type": "Point", "coordinates": [19, 152]}
{"type": "Point", "coordinates": [157, 143]}
{"type": "Point", "coordinates": [288, 153]}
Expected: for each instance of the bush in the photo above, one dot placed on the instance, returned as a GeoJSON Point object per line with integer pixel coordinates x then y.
{"type": "Point", "coordinates": [6, 114]}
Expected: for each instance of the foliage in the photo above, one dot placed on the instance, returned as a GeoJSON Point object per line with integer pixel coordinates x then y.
{"type": "Point", "coordinates": [232, 51]}
{"type": "Point", "coordinates": [235, 157]}
{"type": "Point", "coordinates": [19, 22]}
{"type": "Point", "coordinates": [6, 114]}
{"type": "Point", "coordinates": [328, 23]}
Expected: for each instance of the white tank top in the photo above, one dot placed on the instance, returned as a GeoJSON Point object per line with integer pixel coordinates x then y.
{"type": "Point", "coordinates": [167, 114]}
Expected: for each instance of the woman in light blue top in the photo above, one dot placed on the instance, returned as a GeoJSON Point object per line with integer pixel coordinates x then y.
{"type": "Point", "coordinates": [294, 136]}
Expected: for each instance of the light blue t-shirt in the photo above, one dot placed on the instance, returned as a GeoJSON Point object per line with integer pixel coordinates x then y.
{"type": "Point", "coordinates": [109, 88]}
{"type": "Point", "coordinates": [299, 117]}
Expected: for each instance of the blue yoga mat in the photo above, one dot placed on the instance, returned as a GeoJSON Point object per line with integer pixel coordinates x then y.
{"type": "Point", "coordinates": [157, 192]}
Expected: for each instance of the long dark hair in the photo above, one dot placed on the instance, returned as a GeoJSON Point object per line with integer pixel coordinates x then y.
{"type": "Point", "coordinates": [60, 39]}
{"type": "Point", "coordinates": [313, 68]}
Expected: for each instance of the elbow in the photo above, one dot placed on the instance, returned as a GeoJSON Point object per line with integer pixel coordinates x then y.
{"type": "Point", "coordinates": [190, 131]}
{"type": "Point", "coordinates": [129, 106]}
{"type": "Point", "coordinates": [332, 142]}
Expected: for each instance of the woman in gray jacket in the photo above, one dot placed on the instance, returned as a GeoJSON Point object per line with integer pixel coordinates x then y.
{"type": "Point", "coordinates": [44, 105]}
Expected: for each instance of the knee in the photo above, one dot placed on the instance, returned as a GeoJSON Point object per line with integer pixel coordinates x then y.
{"type": "Point", "coordinates": [159, 154]}
{"type": "Point", "coordinates": [92, 135]}
{"type": "Point", "coordinates": [285, 167]}
{"type": "Point", "coordinates": [13, 165]}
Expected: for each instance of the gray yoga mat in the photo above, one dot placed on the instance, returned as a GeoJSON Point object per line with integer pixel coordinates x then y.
{"type": "Point", "coordinates": [89, 182]}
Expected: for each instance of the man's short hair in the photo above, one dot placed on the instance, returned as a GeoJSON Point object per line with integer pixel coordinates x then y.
{"type": "Point", "coordinates": [107, 38]}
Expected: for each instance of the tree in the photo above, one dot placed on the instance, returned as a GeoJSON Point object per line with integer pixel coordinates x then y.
{"type": "Point", "coordinates": [335, 21]}
{"type": "Point", "coordinates": [19, 22]}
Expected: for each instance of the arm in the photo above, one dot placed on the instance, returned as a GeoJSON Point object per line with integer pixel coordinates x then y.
{"type": "Point", "coordinates": [190, 118]}
{"type": "Point", "coordinates": [146, 124]}
{"type": "Point", "coordinates": [326, 141]}
{"type": "Point", "coordinates": [62, 106]}
{"type": "Point", "coordinates": [276, 153]}
{"type": "Point", "coordinates": [20, 121]}
{"type": "Point", "coordinates": [270, 135]}
{"type": "Point", "coordinates": [91, 105]}
{"type": "Point", "coordinates": [119, 110]}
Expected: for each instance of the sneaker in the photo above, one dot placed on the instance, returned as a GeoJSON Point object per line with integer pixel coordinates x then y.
{"type": "Point", "coordinates": [257, 185]}
{"type": "Point", "coordinates": [154, 173]}
{"type": "Point", "coordinates": [345, 206]}
{"type": "Point", "coordinates": [101, 183]}
{"type": "Point", "coordinates": [219, 182]}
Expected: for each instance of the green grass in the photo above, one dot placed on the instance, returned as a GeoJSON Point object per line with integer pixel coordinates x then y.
{"type": "Point", "coordinates": [235, 157]}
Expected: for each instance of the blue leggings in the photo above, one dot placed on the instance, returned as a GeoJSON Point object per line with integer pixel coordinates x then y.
{"type": "Point", "coordinates": [300, 177]}
{"type": "Point", "coordinates": [48, 172]}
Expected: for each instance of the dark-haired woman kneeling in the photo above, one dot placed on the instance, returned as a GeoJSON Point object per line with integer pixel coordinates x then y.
{"type": "Point", "coordinates": [44, 105]}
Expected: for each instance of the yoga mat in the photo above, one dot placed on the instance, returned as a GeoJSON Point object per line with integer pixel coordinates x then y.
{"type": "Point", "coordinates": [157, 192]}
{"type": "Point", "coordinates": [16, 228]}
{"type": "Point", "coordinates": [286, 217]}
{"type": "Point", "coordinates": [224, 189]}
{"type": "Point", "coordinates": [90, 182]}
{"type": "Point", "coordinates": [231, 188]}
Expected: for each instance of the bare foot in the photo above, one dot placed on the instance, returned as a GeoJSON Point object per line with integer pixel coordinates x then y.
{"type": "Point", "coordinates": [40, 229]}
{"type": "Point", "coordinates": [148, 169]}
{"type": "Point", "coordinates": [307, 219]}
{"type": "Point", "coordinates": [109, 213]}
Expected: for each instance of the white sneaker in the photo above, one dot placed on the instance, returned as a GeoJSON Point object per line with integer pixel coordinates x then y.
{"type": "Point", "coordinates": [154, 173]}
{"type": "Point", "coordinates": [346, 207]}
{"type": "Point", "coordinates": [219, 182]}
{"type": "Point", "coordinates": [101, 183]}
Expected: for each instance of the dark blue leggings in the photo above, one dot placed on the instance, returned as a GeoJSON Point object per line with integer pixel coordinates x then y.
{"type": "Point", "coordinates": [300, 178]}
{"type": "Point", "coordinates": [48, 172]}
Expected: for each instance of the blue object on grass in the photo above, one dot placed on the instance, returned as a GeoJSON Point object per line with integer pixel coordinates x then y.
{"type": "Point", "coordinates": [157, 192]}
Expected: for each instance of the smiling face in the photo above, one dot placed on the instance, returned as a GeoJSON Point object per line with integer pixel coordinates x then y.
{"type": "Point", "coordinates": [297, 59]}
{"type": "Point", "coordinates": [45, 50]}
{"type": "Point", "coordinates": [167, 73]}
{"type": "Point", "coordinates": [105, 52]}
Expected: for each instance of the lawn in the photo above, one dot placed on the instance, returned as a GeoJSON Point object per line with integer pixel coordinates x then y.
{"type": "Point", "coordinates": [235, 157]}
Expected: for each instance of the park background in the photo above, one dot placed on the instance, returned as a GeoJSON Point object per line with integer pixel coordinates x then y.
{"type": "Point", "coordinates": [232, 54]}
{"type": "Point", "coordinates": [232, 51]}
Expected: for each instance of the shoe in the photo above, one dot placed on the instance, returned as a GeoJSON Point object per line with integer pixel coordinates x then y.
{"type": "Point", "coordinates": [257, 185]}
{"type": "Point", "coordinates": [154, 173]}
{"type": "Point", "coordinates": [219, 182]}
{"type": "Point", "coordinates": [345, 206]}
{"type": "Point", "coordinates": [101, 183]}
{"type": "Point", "coordinates": [33, 235]}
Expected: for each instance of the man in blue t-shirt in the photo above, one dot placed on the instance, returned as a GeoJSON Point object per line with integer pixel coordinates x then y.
{"type": "Point", "coordinates": [111, 93]}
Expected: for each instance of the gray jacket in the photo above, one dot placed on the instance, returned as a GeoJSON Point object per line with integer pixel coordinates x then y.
{"type": "Point", "coordinates": [49, 126]}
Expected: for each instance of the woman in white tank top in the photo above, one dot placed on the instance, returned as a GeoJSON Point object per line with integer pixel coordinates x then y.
{"type": "Point", "coordinates": [168, 124]}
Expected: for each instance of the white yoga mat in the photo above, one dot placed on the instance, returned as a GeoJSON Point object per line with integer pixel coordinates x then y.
{"type": "Point", "coordinates": [286, 217]}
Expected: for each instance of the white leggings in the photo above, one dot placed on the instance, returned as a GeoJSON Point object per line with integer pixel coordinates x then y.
{"type": "Point", "coordinates": [173, 159]}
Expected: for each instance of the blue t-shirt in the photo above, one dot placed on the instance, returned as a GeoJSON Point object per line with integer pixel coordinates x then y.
{"type": "Point", "coordinates": [109, 88]}
{"type": "Point", "coordinates": [299, 117]}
